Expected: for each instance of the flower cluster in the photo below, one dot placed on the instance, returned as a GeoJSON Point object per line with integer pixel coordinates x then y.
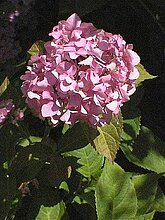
{"type": "Point", "coordinates": [5, 108]}
{"type": "Point", "coordinates": [83, 74]}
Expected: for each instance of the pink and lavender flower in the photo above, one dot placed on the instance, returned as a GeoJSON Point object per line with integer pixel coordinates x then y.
{"type": "Point", "coordinates": [5, 108]}
{"type": "Point", "coordinates": [84, 74]}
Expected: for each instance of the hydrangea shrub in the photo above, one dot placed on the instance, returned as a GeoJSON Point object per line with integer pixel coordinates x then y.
{"type": "Point", "coordinates": [70, 126]}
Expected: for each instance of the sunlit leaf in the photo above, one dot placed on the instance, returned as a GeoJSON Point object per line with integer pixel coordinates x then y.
{"type": "Point", "coordinates": [107, 142]}
{"type": "Point", "coordinates": [90, 161]}
{"type": "Point", "coordinates": [148, 216]}
{"type": "Point", "coordinates": [43, 196]}
{"type": "Point", "coordinates": [144, 75]}
{"type": "Point", "coordinates": [51, 213]}
{"type": "Point", "coordinates": [37, 47]}
{"type": "Point", "coordinates": [115, 194]}
{"type": "Point", "coordinates": [32, 139]}
{"type": "Point", "coordinates": [147, 152]}
{"type": "Point", "coordinates": [4, 85]}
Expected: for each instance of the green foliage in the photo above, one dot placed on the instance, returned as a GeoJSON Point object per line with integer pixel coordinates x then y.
{"type": "Point", "coordinates": [148, 151]}
{"type": "Point", "coordinates": [4, 85]}
{"type": "Point", "coordinates": [132, 117]}
{"type": "Point", "coordinates": [159, 202]}
{"type": "Point", "coordinates": [69, 172]}
{"type": "Point", "coordinates": [80, 135]}
{"type": "Point", "coordinates": [37, 47]}
{"type": "Point", "coordinates": [89, 160]}
{"type": "Point", "coordinates": [115, 194]}
{"type": "Point", "coordinates": [31, 140]}
{"type": "Point", "coordinates": [144, 75]}
{"type": "Point", "coordinates": [148, 216]}
{"type": "Point", "coordinates": [52, 213]}
{"type": "Point", "coordinates": [146, 188]}
{"type": "Point", "coordinates": [107, 142]}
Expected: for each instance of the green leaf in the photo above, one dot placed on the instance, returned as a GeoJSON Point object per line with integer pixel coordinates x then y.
{"type": "Point", "coordinates": [159, 202]}
{"type": "Point", "coordinates": [131, 115]}
{"type": "Point", "coordinates": [147, 152]}
{"type": "Point", "coordinates": [144, 75]}
{"type": "Point", "coordinates": [107, 142]}
{"type": "Point", "coordinates": [90, 161]}
{"type": "Point", "coordinates": [131, 128]}
{"type": "Point", "coordinates": [88, 196]}
{"type": "Point", "coordinates": [80, 135]}
{"type": "Point", "coordinates": [43, 195]}
{"type": "Point", "coordinates": [4, 85]}
{"type": "Point", "coordinates": [115, 194]}
{"type": "Point", "coordinates": [146, 188]}
{"type": "Point", "coordinates": [148, 216]}
{"type": "Point", "coordinates": [37, 47]}
{"type": "Point", "coordinates": [31, 140]}
{"type": "Point", "coordinates": [65, 128]}
{"type": "Point", "coordinates": [52, 213]}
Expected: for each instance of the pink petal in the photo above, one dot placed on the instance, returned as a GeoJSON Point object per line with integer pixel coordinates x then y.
{"type": "Point", "coordinates": [81, 42]}
{"type": "Point", "coordinates": [33, 95]}
{"type": "Point", "coordinates": [51, 78]}
{"type": "Point", "coordinates": [47, 95]}
{"type": "Point", "coordinates": [135, 58]}
{"type": "Point", "coordinates": [74, 20]}
{"type": "Point", "coordinates": [81, 52]}
{"type": "Point", "coordinates": [103, 45]}
{"type": "Point", "coordinates": [112, 105]}
{"type": "Point", "coordinates": [134, 75]}
{"type": "Point", "coordinates": [64, 88]}
{"type": "Point", "coordinates": [49, 109]}
{"type": "Point", "coordinates": [73, 55]}
{"type": "Point", "coordinates": [65, 117]}
{"type": "Point", "coordinates": [87, 61]}
{"type": "Point", "coordinates": [83, 110]}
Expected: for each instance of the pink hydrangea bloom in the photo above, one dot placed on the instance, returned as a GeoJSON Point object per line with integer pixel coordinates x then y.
{"type": "Point", "coordinates": [84, 74]}
{"type": "Point", "coordinates": [5, 108]}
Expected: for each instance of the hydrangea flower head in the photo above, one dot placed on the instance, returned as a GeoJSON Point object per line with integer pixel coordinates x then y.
{"type": "Point", "coordinates": [84, 74]}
